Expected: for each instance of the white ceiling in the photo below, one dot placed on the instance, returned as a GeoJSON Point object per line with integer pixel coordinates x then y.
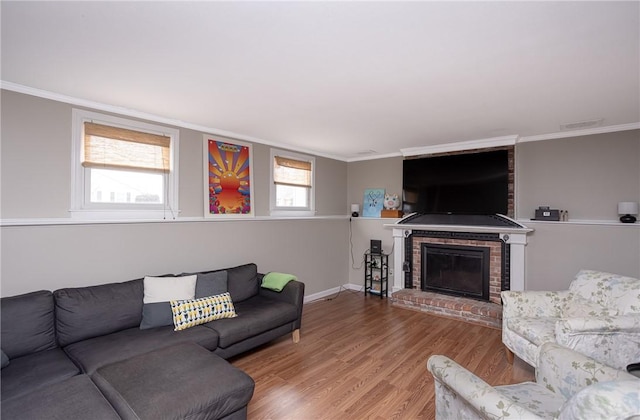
{"type": "Point", "coordinates": [337, 78]}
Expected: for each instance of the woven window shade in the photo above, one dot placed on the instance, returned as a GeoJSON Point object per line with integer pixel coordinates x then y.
{"type": "Point", "coordinates": [109, 147]}
{"type": "Point", "coordinates": [287, 171]}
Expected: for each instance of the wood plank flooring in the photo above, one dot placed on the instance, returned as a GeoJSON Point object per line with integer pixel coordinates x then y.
{"type": "Point", "coordinates": [361, 358]}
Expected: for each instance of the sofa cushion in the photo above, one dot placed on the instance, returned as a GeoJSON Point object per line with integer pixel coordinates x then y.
{"type": "Point", "coordinates": [94, 311]}
{"type": "Point", "coordinates": [100, 351]}
{"type": "Point", "coordinates": [180, 382]}
{"type": "Point", "coordinates": [27, 323]}
{"type": "Point", "coordinates": [28, 373]}
{"type": "Point", "coordinates": [609, 290]}
{"type": "Point", "coordinates": [242, 282]}
{"type": "Point", "coordinates": [536, 330]}
{"type": "Point", "coordinates": [158, 292]}
{"type": "Point", "coordinates": [211, 283]}
{"type": "Point", "coordinates": [255, 316]}
{"type": "Point", "coordinates": [4, 359]}
{"type": "Point", "coordinates": [191, 312]}
{"type": "Point", "coordinates": [74, 398]}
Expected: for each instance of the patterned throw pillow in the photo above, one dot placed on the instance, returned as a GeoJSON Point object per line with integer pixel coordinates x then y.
{"type": "Point", "coordinates": [192, 312]}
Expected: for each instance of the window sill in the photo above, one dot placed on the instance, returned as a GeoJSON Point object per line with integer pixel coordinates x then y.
{"type": "Point", "coordinates": [69, 221]}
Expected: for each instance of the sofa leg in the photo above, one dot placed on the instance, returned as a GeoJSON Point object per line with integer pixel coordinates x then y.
{"type": "Point", "coordinates": [509, 355]}
{"type": "Point", "coordinates": [296, 335]}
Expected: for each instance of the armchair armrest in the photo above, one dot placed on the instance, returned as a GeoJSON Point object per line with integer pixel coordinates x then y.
{"type": "Point", "coordinates": [613, 324]}
{"type": "Point", "coordinates": [612, 340]}
{"type": "Point", "coordinates": [292, 293]}
{"type": "Point", "coordinates": [452, 380]}
{"type": "Point", "coordinates": [533, 304]}
{"type": "Point", "coordinates": [565, 371]}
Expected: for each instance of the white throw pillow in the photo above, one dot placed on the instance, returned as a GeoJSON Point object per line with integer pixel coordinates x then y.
{"type": "Point", "coordinates": [165, 289]}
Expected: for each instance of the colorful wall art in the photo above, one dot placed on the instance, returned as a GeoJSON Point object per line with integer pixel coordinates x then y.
{"type": "Point", "coordinates": [228, 179]}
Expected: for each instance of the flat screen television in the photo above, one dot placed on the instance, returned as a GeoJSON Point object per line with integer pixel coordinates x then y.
{"type": "Point", "coordinates": [473, 183]}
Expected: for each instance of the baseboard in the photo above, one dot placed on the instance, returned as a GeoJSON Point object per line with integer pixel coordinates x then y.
{"type": "Point", "coordinates": [333, 291]}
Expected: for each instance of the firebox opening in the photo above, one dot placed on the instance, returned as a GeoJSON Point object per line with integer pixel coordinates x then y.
{"type": "Point", "coordinates": [456, 270]}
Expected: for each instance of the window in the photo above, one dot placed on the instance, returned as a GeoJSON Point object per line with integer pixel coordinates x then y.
{"type": "Point", "coordinates": [292, 184]}
{"type": "Point", "coordinates": [123, 168]}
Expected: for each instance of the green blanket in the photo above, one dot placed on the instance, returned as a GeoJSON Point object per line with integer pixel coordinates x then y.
{"type": "Point", "coordinates": [276, 281]}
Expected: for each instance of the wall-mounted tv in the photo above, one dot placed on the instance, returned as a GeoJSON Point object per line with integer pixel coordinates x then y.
{"type": "Point", "coordinates": [471, 183]}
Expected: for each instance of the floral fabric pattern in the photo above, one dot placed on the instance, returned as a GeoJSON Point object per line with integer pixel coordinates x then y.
{"type": "Point", "coordinates": [569, 385]}
{"type": "Point", "coordinates": [599, 316]}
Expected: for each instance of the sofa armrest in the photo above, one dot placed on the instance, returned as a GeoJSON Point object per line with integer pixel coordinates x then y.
{"type": "Point", "coordinates": [533, 304]}
{"type": "Point", "coordinates": [458, 383]}
{"type": "Point", "coordinates": [565, 371]}
{"type": "Point", "coordinates": [292, 293]}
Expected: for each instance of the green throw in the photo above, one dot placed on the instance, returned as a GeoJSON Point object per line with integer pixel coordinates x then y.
{"type": "Point", "coordinates": [276, 281]}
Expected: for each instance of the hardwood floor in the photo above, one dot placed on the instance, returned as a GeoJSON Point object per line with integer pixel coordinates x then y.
{"type": "Point", "coordinates": [361, 358]}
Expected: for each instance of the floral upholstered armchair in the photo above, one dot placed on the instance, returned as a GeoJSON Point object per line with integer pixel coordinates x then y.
{"type": "Point", "coordinates": [598, 316]}
{"type": "Point", "coordinates": [569, 385]}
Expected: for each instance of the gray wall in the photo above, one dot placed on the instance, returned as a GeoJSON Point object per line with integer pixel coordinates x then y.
{"type": "Point", "coordinates": [380, 173]}
{"type": "Point", "coordinates": [586, 175]}
{"type": "Point", "coordinates": [35, 181]}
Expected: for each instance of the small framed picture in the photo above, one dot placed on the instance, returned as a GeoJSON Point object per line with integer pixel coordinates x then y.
{"type": "Point", "coordinates": [373, 202]}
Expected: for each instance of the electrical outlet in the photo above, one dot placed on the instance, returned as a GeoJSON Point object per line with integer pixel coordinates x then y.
{"type": "Point", "coordinates": [390, 271]}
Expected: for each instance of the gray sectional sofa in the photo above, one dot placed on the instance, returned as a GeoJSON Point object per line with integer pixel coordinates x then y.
{"type": "Point", "coordinates": [80, 352]}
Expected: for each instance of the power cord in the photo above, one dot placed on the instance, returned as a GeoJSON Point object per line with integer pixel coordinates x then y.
{"type": "Point", "coordinates": [345, 289]}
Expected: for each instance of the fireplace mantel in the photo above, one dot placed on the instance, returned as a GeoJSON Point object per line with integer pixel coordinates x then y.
{"type": "Point", "coordinates": [514, 236]}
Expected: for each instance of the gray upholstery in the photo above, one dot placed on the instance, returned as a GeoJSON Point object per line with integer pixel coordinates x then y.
{"type": "Point", "coordinates": [99, 329]}
{"type": "Point", "coordinates": [28, 373]}
{"type": "Point", "coordinates": [242, 282]}
{"type": "Point", "coordinates": [253, 342]}
{"type": "Point", "coordinates": [27, 323]}
{"type": "Point", "coordinates": [209, 387]}
{"type": "Point", "coordinates": [100, 351]}
{"type": "Point", "coordinates": [211, 283]}
{"type": "Point", "coordinates": [292, 293]}
{"type": "Point", "coordinates": [4, 359]}
{"type": "Point", "coordinates": [156, 314]}
{"type": "Point", "coordinates": [87, 312]}
{"type": "Point", "coordinates": [255, 316]}
{"type": "Point", "coordinates": [74, 398]}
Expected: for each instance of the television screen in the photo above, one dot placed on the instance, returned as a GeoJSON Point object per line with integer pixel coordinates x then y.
{"type": "Point", "coordinates": [473, 183]}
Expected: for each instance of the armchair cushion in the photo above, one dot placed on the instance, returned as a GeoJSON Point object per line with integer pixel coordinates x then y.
{"type": "Point", "coordinates": [619, 400]}
{"type": "Point", "coordinates": [535, 398]}
{"type": "Point", "coordinates": [609, 290]}
{"type": "Point", "coordinates": [577, 306]}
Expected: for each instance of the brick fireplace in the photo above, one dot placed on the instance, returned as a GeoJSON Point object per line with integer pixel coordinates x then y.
{"type": "Point", "coordinates": [504, 240]}
{"type": "Point", "coordinates": [498, 275]}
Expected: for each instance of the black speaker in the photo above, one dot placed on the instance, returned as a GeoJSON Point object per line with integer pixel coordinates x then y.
{"type": "Point", "coordinates": [376, 246]}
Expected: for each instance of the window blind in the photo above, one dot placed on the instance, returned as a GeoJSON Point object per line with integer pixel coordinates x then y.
{"type": "Point", "coordinates": [287, 171]}
{"type": "Point", "coordinates": [110, 147]}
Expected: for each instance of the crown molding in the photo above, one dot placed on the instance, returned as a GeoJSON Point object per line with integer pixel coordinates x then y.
{"type": "Point", "coordinates": [373, 157]}
{"type": "Point", "coordinates": [14, 87]}
{"type": "Point", "coordinates": [578, 133]}
{"type": "Point", "coordinates": [459, 146]}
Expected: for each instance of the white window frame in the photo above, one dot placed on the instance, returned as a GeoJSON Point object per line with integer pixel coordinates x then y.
{"type": "Point", "coordinates": [82, 209]}
{"type": "Point", "coordinates": [291, 211]}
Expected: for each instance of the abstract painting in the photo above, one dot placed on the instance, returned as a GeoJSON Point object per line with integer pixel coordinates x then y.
{"type": "Point", "coordinates": [228, 178]}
